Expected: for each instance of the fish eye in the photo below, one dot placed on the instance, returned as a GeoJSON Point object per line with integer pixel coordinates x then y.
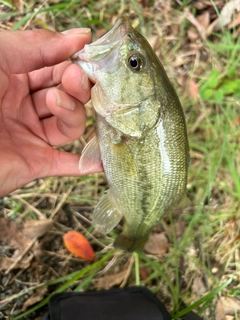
{"type": "Point", "coordinates": [135, 62]}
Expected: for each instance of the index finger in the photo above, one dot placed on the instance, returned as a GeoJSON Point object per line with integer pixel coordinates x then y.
{"type": "Point", "coordinates": [24, 51]}
{"type": "Point", "coordinates": [47, 77]}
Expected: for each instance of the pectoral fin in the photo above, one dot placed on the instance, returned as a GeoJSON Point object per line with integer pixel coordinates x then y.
{"type": "Point", "coordinates": [106, 215]}
{"type": "Point", "coordinates": [91, 157]}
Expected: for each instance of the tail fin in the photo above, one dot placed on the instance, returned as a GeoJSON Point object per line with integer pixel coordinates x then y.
{"type": "Point", "coordinates": [129, 244]}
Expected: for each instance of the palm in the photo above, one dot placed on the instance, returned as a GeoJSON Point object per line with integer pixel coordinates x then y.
{"type": "Point", "coordinates": [42, 108]}
{"type": "Point", "coordinates": [22, 136]}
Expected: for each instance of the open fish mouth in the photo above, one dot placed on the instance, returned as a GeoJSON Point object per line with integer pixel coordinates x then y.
{"type": "Point", "coordinates": [91, 57]}
{"type": "Point", "coordinates": [103, 46]}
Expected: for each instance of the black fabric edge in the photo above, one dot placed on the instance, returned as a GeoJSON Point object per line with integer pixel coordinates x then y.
{"type": "Point", "coordinates": [54, 309]}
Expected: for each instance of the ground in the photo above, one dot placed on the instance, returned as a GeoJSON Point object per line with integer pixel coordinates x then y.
{"type": "Point", "coordinates": [193, 256]}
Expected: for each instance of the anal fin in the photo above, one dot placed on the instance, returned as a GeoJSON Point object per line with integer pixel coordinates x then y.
{"type": "Point", "coordinates": [106, 215]}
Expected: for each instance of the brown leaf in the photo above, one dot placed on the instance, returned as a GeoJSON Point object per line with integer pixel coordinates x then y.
{"type": "Point", "coordinates": [195, 22]}
{"type": "Point", "coordinates": [18, 236]}
{"type": "Point", "coordinates": [22, 238]}
{"type": "Point", "coordinates": [236, 22]}
{"type": "Point", "coordinates": [157, 244]}
{"type": "Point", "coordinates": [109, 281]}
{"type": "Point", "coordinates": [200, 5]}
{"type": "Point", "coordinates": [204, 19]}
{"type": "Point", "coordinates": [18, 4]}
{"type": "Point", "coordinates": [219, 312]}
{"type": "Point", "coordinates": [227, 13]}
{"type": "Point", "coordinates": [180, 227]}
{"type": "Point", "coordinates": [198, 286]}
{"type": "Point", "coordinates": [7, 263]}
{"type": "Point", "coordinates": [231, 305]}
{"type": "Point", "coordinates": [192, 33]}
{"type": "Point", "coordinates": [36, 228]}
{"type": "Point", "coordinates": [10, 234]}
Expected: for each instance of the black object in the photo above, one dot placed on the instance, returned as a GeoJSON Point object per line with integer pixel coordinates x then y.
{"type": "Point", "coordinates": [132, 303]}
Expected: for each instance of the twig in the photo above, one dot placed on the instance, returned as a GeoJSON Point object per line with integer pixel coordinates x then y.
{"type": "Point", "coordinates": [128, 272]}
{"type": "Point", "coordinates": [21, 255]}
{"type": "Point", "coordinates": [64, 198]}
{"type": "Point", "coordinates": [30, 206]}
{"type": "Point", "coordinates": [88, 233]}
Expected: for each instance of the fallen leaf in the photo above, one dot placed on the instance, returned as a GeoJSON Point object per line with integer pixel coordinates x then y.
{"type": "Point", "coordinates": [78, 245]}
{"type": "Point", "coordinates": [198, 286]}
{"type": "Point", "coordinates": [231, 305]}
{"type": "Point", "coordinates": [36, 228]}
{"type": "Point", "coordinates": [219, 312]}
{"type": "Point", "coordinates": [235, 23]}
{"type": "Point", "coordinates": [11, 235]}
{"type": "Point", "coordinates": [18, 4]}
{"type": "Point", "coordinates": [109, 281]}
{"type": "Point", "coordinates": [204, 19]}
{"type": "Point", "coordinates": [200, 5]}
{"type": "Point", "coordinates": [157, 244]}
{"type": "Point", "coordinates": [20, 237]}
{"type": "Point", "coordinates": [192, 33]}
{"type": "Point", "coordinates": [7, 263]}
{"type": "Point", "coordinates": [227, 13]}
{"type": "Point", "coordinates": [191, 18]}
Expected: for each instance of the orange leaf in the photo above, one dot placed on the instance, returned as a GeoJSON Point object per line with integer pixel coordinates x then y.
{"type": "Point", "coordinates": [78, 245]}
{"type": "Point", "coordinates": [193, 89]}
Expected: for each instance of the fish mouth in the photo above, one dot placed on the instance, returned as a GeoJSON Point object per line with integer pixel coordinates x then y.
{"type": "Point", "coordinates": [91, 57]}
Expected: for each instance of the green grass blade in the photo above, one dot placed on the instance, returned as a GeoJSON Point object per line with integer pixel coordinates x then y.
{"type": "Point", "coordinates": [66, 285]}
{"type": "Point", "coordinates": [137, 276]}
{"type": "Point", "coordinates": [211, 295]}
{"type": "Point", "coordinates": [7, 3]}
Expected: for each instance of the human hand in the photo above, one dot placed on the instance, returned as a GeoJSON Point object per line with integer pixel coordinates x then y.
{"type": "Point", "coordinates": [41, 105]}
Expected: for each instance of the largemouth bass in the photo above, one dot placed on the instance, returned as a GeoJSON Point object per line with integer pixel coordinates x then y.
{"type": "Point", "coordinates": [141, 134]}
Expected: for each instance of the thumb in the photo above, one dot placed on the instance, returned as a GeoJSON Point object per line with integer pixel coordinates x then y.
{"type": "Point", "coordinates": [25, 51]}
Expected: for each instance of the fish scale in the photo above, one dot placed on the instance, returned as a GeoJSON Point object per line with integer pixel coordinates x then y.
{"type": "Point", "coordinates": [141, 135]}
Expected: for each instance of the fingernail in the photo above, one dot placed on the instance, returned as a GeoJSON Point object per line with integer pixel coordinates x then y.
{"type": "Point", "coordinates": [64, 103]}
{"type": "Point", "coordinates": [76, 31]}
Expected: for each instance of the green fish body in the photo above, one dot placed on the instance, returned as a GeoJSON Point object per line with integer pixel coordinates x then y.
{"type": "Point", "coordinates": [141, 134]}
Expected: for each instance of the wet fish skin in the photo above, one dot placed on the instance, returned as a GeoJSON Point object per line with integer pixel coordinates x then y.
{"type": "Point", "coordinates": [141, 134]}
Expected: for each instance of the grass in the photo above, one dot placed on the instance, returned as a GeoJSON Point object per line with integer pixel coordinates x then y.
{"type": "Point", "coordinates": [202, 262]}
{"type": "Point", "coordinates": [75, 276]}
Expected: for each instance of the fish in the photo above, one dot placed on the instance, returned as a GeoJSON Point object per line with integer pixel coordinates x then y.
{"type": "Point", "coordinates": [141, 136]}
